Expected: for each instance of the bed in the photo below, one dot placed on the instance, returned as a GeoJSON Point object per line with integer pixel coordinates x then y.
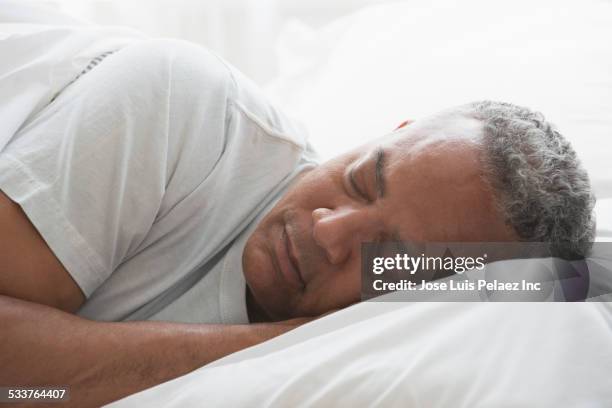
{"type": "Point", "coordinates": [360, 76]}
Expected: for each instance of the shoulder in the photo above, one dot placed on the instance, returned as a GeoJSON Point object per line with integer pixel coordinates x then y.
{"type": "Point", "coordinates": [251, 103]}
{"type": "Point", "coordinates": [179, 66]}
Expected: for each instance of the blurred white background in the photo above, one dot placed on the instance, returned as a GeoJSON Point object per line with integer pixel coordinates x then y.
{"type": "Point", "coordinates": [351, 70]}
{"type": "Point", "coordinates": [245, 32]}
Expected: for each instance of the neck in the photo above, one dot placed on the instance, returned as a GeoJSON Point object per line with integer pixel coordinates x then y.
{"type": "Point", "coordinates": [255, 312]}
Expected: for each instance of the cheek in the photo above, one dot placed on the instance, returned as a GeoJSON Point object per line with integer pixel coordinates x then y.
{"type": "Point", "coordinates": [317, 188]}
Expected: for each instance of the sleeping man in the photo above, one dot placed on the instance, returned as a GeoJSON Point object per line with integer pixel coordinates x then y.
{"type": "Point", "coordinates": [160, 214]}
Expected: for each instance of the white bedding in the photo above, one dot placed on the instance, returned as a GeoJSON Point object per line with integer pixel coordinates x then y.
{"type": "Point", "coordinates": [415, 355]}
{"type": "Point", "coordinates": [418, 354]}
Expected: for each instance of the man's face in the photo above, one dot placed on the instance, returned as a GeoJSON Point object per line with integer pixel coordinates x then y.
{"type": "Point", "coordinates": [422, 183]}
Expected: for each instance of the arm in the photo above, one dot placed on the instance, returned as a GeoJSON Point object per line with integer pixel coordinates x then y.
{"type": "Point", "coordinates": [42, 343]}
{"type": "Point", "coordinates": [104, 361]}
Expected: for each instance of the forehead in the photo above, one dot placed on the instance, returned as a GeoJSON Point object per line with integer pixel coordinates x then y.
{"type": "Point", "coordinates": [435, 183]}
{"type": "Point", "coordinates": [450, 127]}
{"type": "Point", "coordinates": [444, 146]}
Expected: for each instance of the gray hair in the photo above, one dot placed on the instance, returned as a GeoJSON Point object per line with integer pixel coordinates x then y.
{"type": "Point", "coordinates": [540, 185]}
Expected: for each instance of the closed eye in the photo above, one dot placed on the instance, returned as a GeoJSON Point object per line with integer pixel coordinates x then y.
{"type": "Point", "coordinates": [355, 186]}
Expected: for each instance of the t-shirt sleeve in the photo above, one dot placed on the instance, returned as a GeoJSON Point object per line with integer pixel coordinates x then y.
{"type": "Point", "coordinates": [108, 157]}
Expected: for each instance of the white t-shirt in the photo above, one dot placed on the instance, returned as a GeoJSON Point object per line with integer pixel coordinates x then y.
{"type": "Point", "coordinates": [39, 60]}
{"type": "Point", "coordinates": [145, 177]}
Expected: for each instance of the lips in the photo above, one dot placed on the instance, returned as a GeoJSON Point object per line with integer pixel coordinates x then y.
{"type": "Point", "coordinates": [288, 261]}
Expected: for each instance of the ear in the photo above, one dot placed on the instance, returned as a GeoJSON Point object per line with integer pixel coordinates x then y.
{"type": "Point", "coordinates": [404, 123]}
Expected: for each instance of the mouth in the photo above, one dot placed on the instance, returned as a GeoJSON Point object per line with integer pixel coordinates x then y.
{"type": "Point", "coordinates": [288, 261]}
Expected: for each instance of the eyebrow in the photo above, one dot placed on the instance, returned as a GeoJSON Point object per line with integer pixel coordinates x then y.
{"type": "Point", "coordinates": [380, 187]}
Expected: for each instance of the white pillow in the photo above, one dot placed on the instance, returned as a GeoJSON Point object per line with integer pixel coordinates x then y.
{"type": "Point", "coordinates": [365, 74]}
{"type": "Point", "coordinates": [415, 355]}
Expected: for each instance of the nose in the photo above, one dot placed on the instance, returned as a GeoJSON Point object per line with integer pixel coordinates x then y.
{"type": "Point", "coordinates": [338, 231]}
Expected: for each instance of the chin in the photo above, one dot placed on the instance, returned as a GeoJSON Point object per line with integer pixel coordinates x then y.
{"type": "Point", "coordinates": [259, 275]}
{"type": "Point", "coordinates": [254, 260]}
